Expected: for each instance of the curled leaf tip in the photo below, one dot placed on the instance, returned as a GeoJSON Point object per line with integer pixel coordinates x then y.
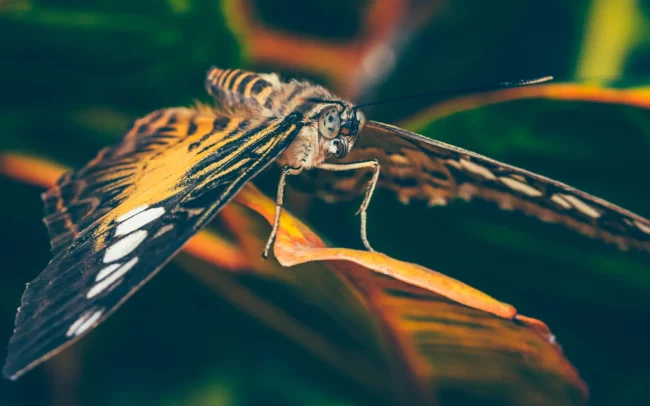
{"type": "Point", "coordinates": [297, 244]}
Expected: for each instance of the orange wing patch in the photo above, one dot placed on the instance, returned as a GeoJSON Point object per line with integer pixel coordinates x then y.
{"type": "Point", "coordinates": [146, 167]}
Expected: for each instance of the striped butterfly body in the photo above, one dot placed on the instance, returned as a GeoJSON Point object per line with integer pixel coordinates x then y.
{"type": "Point", "coordinates": [115, 222]}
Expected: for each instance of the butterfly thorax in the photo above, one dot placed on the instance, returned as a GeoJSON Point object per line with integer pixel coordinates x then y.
{"type": "Point", "coordinates": [330, 125]}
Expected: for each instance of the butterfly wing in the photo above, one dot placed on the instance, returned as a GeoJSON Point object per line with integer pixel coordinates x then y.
{"type": "Point", "coordinates": [419, 168]}
{"type": "Point", "coordinates": [117, 221]}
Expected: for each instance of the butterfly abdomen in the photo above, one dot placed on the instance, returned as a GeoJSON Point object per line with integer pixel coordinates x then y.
{"type": "Point", "coordinates": [237, 85]}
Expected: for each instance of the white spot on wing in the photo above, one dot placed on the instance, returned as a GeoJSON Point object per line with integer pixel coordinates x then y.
{"type": "Point", "coordinates": [453, 163]}
{"type": "Point", "coordinates": [77, 323]}
{"type": "Point", "coordinates": [138, 220]}
{"type": "Point", "coordinates": [643, 227]}
{"type": "Point", "coordinates": [477, 169]}
{"type": "Point", "coordinates": [106, 271]}
{"type": "Point", "coordinates": [88, 323]}
{"type": "Point", "coordinates": [560, 201]}
{"type": "Point", "coordinates": [163, 230]}
{"type": "Point", "coordinates": [132, 213]}
{"type": "Point", "coordinates": [125, 246]}
{"type": "Point", "coordinates": [399, 159]}
{"type": "Point", "coordinates": [582, 206]}
{"type": "Point", "coordinates": [84, 322]}
{"type": "Point", "coordinates": [112, 278]}
{"type": "Point", "coordinates": [520, 187]}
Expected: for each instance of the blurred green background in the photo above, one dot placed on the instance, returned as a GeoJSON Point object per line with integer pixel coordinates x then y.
{"type": "Point", "coordinates": [73, 74]}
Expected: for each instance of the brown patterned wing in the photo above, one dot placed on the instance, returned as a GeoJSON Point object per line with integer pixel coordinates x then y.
{"type": "Point", "coordinates": [419, 168]}
{"type": "Point", "coordinates": [111, 176]}
{"type": "Point", "coordinates": [114, 223]}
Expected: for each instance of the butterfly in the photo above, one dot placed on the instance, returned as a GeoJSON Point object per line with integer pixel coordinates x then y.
{"type": "Point", "coordinates": [115, 222]}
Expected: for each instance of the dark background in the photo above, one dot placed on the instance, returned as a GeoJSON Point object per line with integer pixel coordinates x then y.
{"type": "Point", "coordinates": [73, 74]}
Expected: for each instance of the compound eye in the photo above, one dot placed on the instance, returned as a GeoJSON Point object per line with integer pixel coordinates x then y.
{"type": "Point", "coordinates": [329, 123]}
{"type": "Point", "coordinates": [361, 118]}
{"type": "Point", "coordinates": [339, 148]}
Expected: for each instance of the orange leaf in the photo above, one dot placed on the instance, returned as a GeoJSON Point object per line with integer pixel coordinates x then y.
{"type": "Point", "coordinates": [639, 97]}
{"type": "Point", "coordinates": [429, 341]}
{"type": "Point", "coordinates": [296, 244]}
{"type": "Point", "coordinates": [31, 170]}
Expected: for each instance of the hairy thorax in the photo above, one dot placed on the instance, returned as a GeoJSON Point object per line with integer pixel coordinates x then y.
{"type": "Point", "coordinates": [307, 151]}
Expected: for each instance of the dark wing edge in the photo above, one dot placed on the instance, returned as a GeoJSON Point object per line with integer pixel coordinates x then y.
{"type": "Point", "coordinates": [82, 286]}
{"type": "Point", "coordinates": [419, 168]}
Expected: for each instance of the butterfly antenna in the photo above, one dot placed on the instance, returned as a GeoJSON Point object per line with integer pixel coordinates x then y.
{"type": "Point", "coordinates": [479, 89]}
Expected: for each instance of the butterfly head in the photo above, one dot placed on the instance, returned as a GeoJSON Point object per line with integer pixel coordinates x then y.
{"type": "Point", "coordinates": [339, 125]}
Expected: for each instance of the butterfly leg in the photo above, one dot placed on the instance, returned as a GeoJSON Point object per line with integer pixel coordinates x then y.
{"type": "Point", "coordinates": [278, 207]}
{"type": "Point", "coordinates": [372, 164]}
